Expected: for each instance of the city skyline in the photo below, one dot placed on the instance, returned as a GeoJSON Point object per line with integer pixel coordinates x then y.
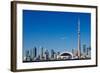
{"type": "Point", "coordinates": [55, 30]}
{"type": "Point", "coordinates": [32, 55]}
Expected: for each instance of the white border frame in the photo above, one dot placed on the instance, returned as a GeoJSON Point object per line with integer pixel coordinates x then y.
{"type": "Point", "coordinates": [38, 65]}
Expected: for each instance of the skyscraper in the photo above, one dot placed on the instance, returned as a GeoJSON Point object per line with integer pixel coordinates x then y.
{"type": "Point", "coordinates": [79, 44]}
{"type": "Point", "coordinates": [30, 54]}
{"type": "Point", "coordinates": [73, 52]}
{"type": "Point", "coordinates": [34, 53]}
{"type": "Point", "coordinates": [52, 54]}
{"type": "Point", "coordinates": [42, 53]}
{"type": "Point", "coordinates": [27, 55]}
{"type": "Point", "coordinates": [84, 49]}
{"type": "Point", "coordinates": [47, 55]}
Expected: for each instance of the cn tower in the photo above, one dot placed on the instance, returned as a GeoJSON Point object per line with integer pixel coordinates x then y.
{"type": "Point", "coordinates": [79, 43]}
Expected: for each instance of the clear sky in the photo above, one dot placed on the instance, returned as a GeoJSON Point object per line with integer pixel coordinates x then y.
{"type": "Point", "coordinates": [55, 30]}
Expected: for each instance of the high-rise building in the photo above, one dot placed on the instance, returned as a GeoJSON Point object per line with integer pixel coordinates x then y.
{"type": "Point", "coordinates": [30, 54]}
{"type": "Point", "coordinates": [87, 53]}
{"type": "Point", "coordinates": [84, 50]}
{"type": "Point", "coordinates": [46, 55]}
{"type": "Point", "coordinates": [52, 54]}
{"type": "Point", "coordinates": [55, 56]}
{"type": "Point", "coordinates": [73, 52]}
{"type": "Point", "coordinates": [27, 55]}
{"type": "Point", "coordinates": [42, 53]}
{"type": "Point", "coordinates": [34, 53]}
{"type": "Point", "coordinates": [83, 54]}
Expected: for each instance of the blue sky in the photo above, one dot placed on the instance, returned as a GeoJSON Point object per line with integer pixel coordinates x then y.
{"type": "Point", "coordinates": [55, 30]}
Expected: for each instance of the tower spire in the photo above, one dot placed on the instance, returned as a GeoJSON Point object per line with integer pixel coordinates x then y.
{"type": "Point", "coordinates": [79, 45]}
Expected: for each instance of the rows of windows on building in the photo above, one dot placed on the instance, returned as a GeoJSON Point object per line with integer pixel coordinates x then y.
{"type": "Point", "coordinates": [33, 54]}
